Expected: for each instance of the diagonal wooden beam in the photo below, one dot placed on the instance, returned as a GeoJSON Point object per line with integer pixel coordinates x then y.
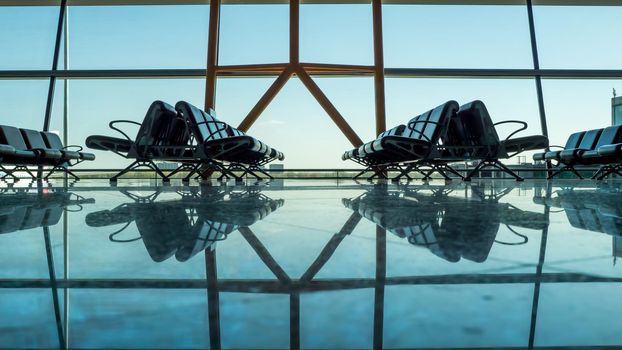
{"type": "Point", "coordinates": [331, 247]}
{"type": "Point", "coordinates": [330, 109]}
{"type": "Point", "coordinates": [264, 255]}
{"type": "Point", "coordinates": [265, 100]}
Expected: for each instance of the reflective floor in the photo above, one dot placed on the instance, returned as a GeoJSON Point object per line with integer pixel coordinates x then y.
{"type": "Point", "coordinates": [310, 264]}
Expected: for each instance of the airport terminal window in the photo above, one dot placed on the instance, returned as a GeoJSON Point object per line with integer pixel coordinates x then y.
{"type": "Point", "coordinates": [27, 35]}
{"type": "Point", "coordinates": [98, 101]}
{"type": "Point", "coordinates": [139, 37]}
{"type": "Point", "coordinates": [576, 105]}
{"type": "Point", "coordinates": [573, 37]}
{"type": "Point", "coordinates": [435, 36]}
{"type": "Point", "coordinates": [336, 34]}
{"type": "Point", "coordinates": [251, 34]}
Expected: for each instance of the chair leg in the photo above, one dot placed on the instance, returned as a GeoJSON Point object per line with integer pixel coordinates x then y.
{"type": "Point", "coordinates": [470, 174]}
{"type": "Point", "coordinates": [130, 167]}
{"type": "Point", "coordinates": [507, 170]}
{"type": "Point", "coordinates": [8, 172]}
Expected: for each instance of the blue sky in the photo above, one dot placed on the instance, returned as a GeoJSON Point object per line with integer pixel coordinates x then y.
{"type": "Point", "coordinates": [414, 36]}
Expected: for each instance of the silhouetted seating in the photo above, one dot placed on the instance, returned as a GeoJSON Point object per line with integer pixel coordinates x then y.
{"type": "Point", "coordinates": [592, 210]}
{"type": "Point", "coordinates": [158, 138]}
{"type": "Point", "coordinates": [23, 211]}
{"type": "Point", "coordinates": [190, 136]}
{"type": "Point", "coordinates": [450, 227]}
{"type": "Point", "coordinates": [217, 140]}
{"type": "Point", "coordinates": [187, 226]}
{"type": "Point", "coordinates": [24, 147]}
{"type": "Point", "coordinates": [414, 142]}
{"type": "Point", "coordinates": [594, 147]}
{"type": "Point", "coordinates": [474, 137]}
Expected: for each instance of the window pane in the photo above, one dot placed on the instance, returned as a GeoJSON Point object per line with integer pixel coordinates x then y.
{"type": "Point", "coordinates": [587, 315]}
{"type": "Point", "coordinates": [456, 36]}
{"type": "Point", "coordinates": [578, 36]}
{"type": "Point", "coordinates": [294, 122]}
{"type": "Point", "coordinates": [336, 34]}
{"type": "Point", "coordinates": [138, 319]}
{"type": "Point", "coordinates": [260, 321]}
{"type": "Point", "coordinates": [347, 324]}
{"type": "Point", "coordinates": [460, 316]}
{"type": "Point", "coordinates": [105, 37]}
{"type": "Point", "coordinates": [505, 99]}
{"type": "Point", "coordinates": [95, 103]}
{"type": "Point", "coordinates": [23, 102]}
{"type": "Point", "coordinates": [254, 34]}
{"type": "Point", "coordinates": [27, 35]}
{"type": "Point", "coordinates": [576, 105]}
{"type": "Point", "coordinates": [27, 320]}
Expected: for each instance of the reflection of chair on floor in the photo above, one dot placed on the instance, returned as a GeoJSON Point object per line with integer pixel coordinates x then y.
{"type": "Point", "coordinates": [450, 227]}
{"type": "Point", "coordinates": [189, 225]}
{"type": "Point", "coordinates": [23, 211]}
{"type": "Point", "coordinates": [597, 211]}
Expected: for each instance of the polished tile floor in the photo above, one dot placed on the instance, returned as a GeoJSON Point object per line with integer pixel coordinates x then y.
{"type": "Point", "coordinates": [311, 265]}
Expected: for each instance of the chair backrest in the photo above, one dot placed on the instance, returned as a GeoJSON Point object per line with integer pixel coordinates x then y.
{"type": "Point", "coordinates": [574, 140]}
{"type": "Point", "coordinates": [33, 139]}
{"type": "Point", "coordinates": [478, 127]}
{"type": "Point", "coordinates": [203, 125]}
{"type": "Point", "coordinates": [52, 140]}
{"type": "Point", "coordinates": [13, 137]}
{"type": "Point", "coordinates": [610, 136]}
{"type": "Point", "coordinates": [431, 125]}
{"type": "Point", "coordinates": [396, 131]}
{"type": "Point", "coordinates": [590, 139]}
{"type": "Point", "coordinates": [154, 129]}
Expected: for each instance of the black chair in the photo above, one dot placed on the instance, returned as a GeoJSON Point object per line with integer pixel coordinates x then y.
{"type": "Point", "coordinates": [21, 148]}
{"type": "Point", "coordinates": [574, 140]}
{"type": "Point", "coordinates": [53, 141]}
{"type": "Point", "coordinates": [23, 211]}
{"type": "Point", "coordinates": [415, 143]}
{"type": "Point", "coordinates": [218, 142]}
{"type": "Point", "coordinates": [187, 226]}
{"type": "Point", "coordinates": [436, 220]}
{"type": "Point", "coordinates": [476, 138]}
{"type": "Point", "coordinates": [158, 138]}
{"type": "Point", "coordinates": [606, 153]}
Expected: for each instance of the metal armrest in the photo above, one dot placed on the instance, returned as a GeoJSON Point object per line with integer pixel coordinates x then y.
{"type": "Point", "coordinates": [556, 146]}
{"type": "Point", "coordinates": [112, 123]}
{"type": "Point", "coordinates": [524, 126]}
{"type": "Point", "coordinates": [80, 148]}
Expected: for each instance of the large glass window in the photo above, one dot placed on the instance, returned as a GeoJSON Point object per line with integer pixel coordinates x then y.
{"type": "Point", "coordinates": [443, 36]}
{"type": "Point", "coordinates": [578, 36]}
{"type": "Point", "coordinates": [27, 35]}
{"type": "Point", "coordinates": [139, 37]}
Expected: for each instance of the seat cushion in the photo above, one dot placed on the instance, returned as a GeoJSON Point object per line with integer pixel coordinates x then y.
{"type": "Point", "coordinates": [353, 153]}
{"type": "Point", "coordinates": [611, 150]}
{"type": "Point", "coordinates": [569, 155]}
{"type": "Point", "coordinates": [107, 143]}
{"type": "Point", "coordinates": [6, 150]}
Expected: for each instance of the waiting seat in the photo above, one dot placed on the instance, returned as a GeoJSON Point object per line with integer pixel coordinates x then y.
{"type": "Point", "coordinates": [220, 142]}
{"type": "Point", "coordinates": [476, 138]}
{"type": "Point", "coordinates": [187, 226]}
{"type": "Point", "coordinates": [153, 140]}
{"type": "Point", "coordinates": [593, 147]}
{"type": "Point", "coordinates": [414, 142]}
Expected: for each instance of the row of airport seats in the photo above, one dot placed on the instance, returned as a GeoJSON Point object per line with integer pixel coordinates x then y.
{"type": "Point", "coordinates": [24, 211]}
{"type": "Point", "coordinates": [601, 147]}
{"type": "Point", "coordinates": [21, 148]}
{"type": "Point", "coordinates": [190, 136]}
{"type": "Point", "coordinates": [451, 227]}
{"type": "Point", "coordinates": [449, 133]}
{"type": "Point", "coordinates": [597, 211]}
{"type": "Point", "coordinates": [187, 226]}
